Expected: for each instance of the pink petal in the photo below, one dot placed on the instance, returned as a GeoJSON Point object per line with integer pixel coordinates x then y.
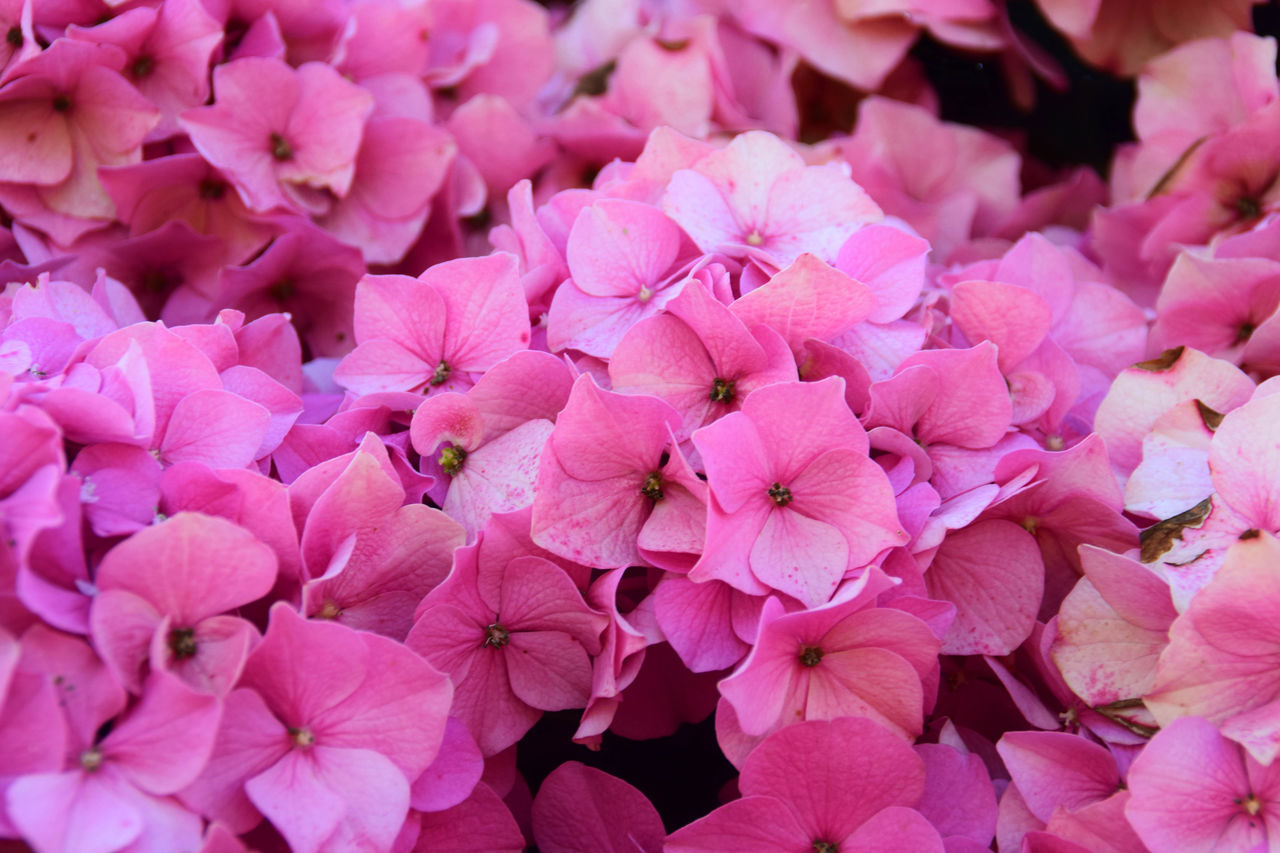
{"type": "Point", "coordinates": [74, 811]}
{"type": "Point", "coordinates": [895, 828]}
{"type": "Point", "coordinates": [218, 428]}
{"type": "Point", "coordinates": [345, 797]}
{"type": "Point", "coordinates": [808, 299]}
{"type": "Point", "coordinates": [834, 775]}
{"type": "Point", "coordinates": [1187, 786]}
{"type": "Point", "coordinates": [454, 774]}
{"type": "Point", "coordinates": [482, 821]}
{"type": "Point", "coordinates": [190, 567]}
{"type": "Point", "coordinates": [800, 556]}
{"type": "Point", "coordinates": [618, 247]}
{"type": "Point", "coordinates": [580, 809]}
{"type": "Point", "coordinates": [164, 743]}
{"type": "Point", "coordinates": [992, 571]}
{"type": "Point", "coordinates": [1053, 769]}
{"type": "Point", "coordinates": [748, 825]}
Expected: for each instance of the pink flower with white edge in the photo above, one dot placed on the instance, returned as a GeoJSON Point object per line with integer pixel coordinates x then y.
{"type": "Point", "coordinates": [757, 199]}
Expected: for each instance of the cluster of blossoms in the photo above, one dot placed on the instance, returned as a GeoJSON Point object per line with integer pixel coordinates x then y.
{"type": "Point", "coordinates": [378, 377]}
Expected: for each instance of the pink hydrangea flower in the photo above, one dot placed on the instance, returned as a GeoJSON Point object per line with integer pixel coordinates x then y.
{"type": "Point", "coordinates": [368, 557]}
{"type": "Point", "coordinates": [324, 736]}
{"type": "Point", "coordinates": [1196, 791]}
{"type": "Point", "coordinates": [484, 445]}
{"type": "Point", "coordinates": [699, 357]}
{"type": "Point", "coordinates": [626, 261]}
{"type": "Point", "coordinates": [281, 135]}
{"type": "Point", "coordinates": [795, 502]}
{"type": "Point", "coordinates": [609, 473]}
{"type": "Point", "coordinates": [514, 634]}
{"type": "Point", "coordinates": [757, 199]}
{"type": "Point", "coordinates": [429, 334]}
{"type": "Point", "coordinates": [845, 658]}
{"type": "Point", "coordinates": [165, 595]}
{"type": "Point", "coordinates": [844, 784]}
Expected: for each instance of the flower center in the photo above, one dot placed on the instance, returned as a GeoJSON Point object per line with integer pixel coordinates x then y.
{"type": "Point", "coordinates": [182, 642]}
{"type": "Point", "coordinates": [451, 459]}
{"type": "Point", "coordinates": [1251, 804]}
{"type": "Point", "coordinates": [825, 847]}
{"type": "Point", "coordinates": [780, 494]}
{"type": "Point", "coordinates": [14, 36]}
{"type": "Point", "coordinates": [91, 759]}
{"type": "Point", "coordinates": [754, 238]}
{"type": "Point", "coordinates": [330, 611]}
{"type": "Point", "coordinates": [722, 390]}
{"type": "Point", "coordinates": [441, 374]}
{"type": "Point", "coordinates": [1248, 207]}
{"type": "Point", "coordinates": [810, 655]}
{"type": "Point", "coordinates": [495, 636]}
{"type": "Point", "coordinates": [645, 294]}
{"type": "Point", "coordinates": [283, 290]}
{"type": "Point", "coordinates": [61, 103]}
{"type": "Point", "coordinates": [212, 189]}
{"type": "Point", "coordinates": [142, 66]}
{"type": "Point", "coordinates": [1245, 332]}
{"type": "Point", "coordinates": [302, 737]}
{"type": "Point", "coordinates": [280, 148]}
{"type": "Point", "coordinates": [652, 488]}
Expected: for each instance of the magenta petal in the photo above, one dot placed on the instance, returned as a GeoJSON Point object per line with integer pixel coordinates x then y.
{"type": "Point", "coordinates": [74, 811]}
{"type": "Point", "coordinates": [895, 828]}
{"type": "Point", "coordinates": [329, 798]}
{"type": "Point", "coordinates": [164, 743]}
{"type": "Point", "coordinates": [834, 774]}
{"type": "Point", "coordinates": [481, 822]}
{"type": "Point", "coordinates": [453, 775]}
{"type": "Point", "coordinates": [748, 825]}
{"type": "Point", "coordinates": [580, 809]}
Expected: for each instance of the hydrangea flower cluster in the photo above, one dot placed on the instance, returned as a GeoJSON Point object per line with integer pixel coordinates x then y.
{"type": "Point", "coordinates": [384, 383]}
